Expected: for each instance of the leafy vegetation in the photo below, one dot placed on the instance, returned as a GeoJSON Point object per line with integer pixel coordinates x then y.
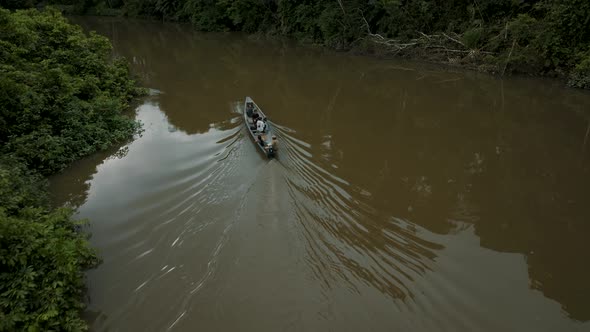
{"type": "Point", "coordinates": [549, 37]}
{"type": "Point", "coordinates": [61, 98]}
{"type": "Point", "coordinates": [42, 258]}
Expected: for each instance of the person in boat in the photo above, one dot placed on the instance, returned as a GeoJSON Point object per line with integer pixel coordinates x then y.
{"type": "Point", "coordinates": [274, 144]}
{"type": "Point", "coordinates": [260, 140]}
{"type": "Point", "coordinates": [255, 117]}
{"type": "Point", "coordinates": [260, 125]}
{"type": "Point", "coordinates": [249, 109]}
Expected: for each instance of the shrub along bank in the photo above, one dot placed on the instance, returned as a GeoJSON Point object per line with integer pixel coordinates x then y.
{"type": "Point", "coordinates": [541, 37]}
{"type": "Point", "coordinates": [61, 98]}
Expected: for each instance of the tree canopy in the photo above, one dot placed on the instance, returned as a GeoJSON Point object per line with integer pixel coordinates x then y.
{"type": "Point", "coordinates": [61, 98]}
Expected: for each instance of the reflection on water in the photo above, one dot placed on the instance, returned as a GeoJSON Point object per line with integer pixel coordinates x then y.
{"type": "Point", "coordinates": [404, 197]}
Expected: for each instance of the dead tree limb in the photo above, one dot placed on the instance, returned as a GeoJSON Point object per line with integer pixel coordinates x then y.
{"type": "Point", "coordinates": [342, 6]}
{"type": "Point", "coordinates": [443, 42]}
{"type": "Point", "coordinates": [509, 55]}
{"type": "Point", "coordinates": [455, 40]}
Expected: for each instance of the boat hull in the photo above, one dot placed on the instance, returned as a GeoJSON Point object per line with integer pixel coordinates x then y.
{"type": "Point", "coordinates": [264, 147]}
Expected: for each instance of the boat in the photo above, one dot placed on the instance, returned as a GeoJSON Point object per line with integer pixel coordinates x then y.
{"type": "Point", "coordinates": [250, 108]}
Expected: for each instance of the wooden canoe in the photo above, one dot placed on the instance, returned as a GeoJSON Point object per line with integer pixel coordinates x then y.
{"type": "Point", "coordinates": [250, 107]}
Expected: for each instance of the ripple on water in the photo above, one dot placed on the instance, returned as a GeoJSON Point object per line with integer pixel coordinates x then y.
{"type": "Point", "coordinates": [346, 238]}
{"type": "Point", "coordinates": [218, 217]}
{"type": "Point", "coordinates": [172, 212]}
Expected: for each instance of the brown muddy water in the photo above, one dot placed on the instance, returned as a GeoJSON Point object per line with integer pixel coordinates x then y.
{"type": "Point", "coordinates": [405, 197]}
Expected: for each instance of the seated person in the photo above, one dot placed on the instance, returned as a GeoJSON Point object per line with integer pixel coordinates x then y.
{"type": "Point", "coordinates": [274, 144]}
{"type": "Point", "coordinates": [260, 140]}
{"type": "Point", "coordinates": [255, 117]}
{"type": "Point", "coordinates": [249, 109]}
{"type": "Point", "coordinates": [260, 125]}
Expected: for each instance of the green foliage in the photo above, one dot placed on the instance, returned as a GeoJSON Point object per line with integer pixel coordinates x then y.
{"type": "Point", "coordinates": [61, 98]}
{"type": "Point", "coordinates": [252, 16]}
{"type": "Point", "coordinates": [404, 18]}
{"type": "Point", "coordinates": [42, 256]}
{"type": "Point", "coordinates": [300, 20]}
{"type": "Point", "coordinates": [515, 43]}
{"type": "Point", "coordinates": [331, 26]}
{"type": "Point", "coordinates": [206, 15]}
{"type": "Point", "coordinates": [524, 29]}
{"type": "Point", "coordinates": [20, 187]}
{"type": "Point", "coordinates": [567, 32]}
{"type": "Point", "coordinates": [473, 38]}
{"type": "Point", "coordinates": [580, 76]}
{"type": "Point", "coordinates": [16, 4]}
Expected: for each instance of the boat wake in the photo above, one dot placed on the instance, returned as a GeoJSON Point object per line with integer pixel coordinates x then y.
{"type": "Point", "coordinates": [346, 239]}
{"type": "Point", "coordinates": [220, 214]}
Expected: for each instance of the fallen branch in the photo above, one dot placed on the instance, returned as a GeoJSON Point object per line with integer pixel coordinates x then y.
{"type": "Point", "coordinates": [440, 42]}
{"type": "Point", "coordinates": [455, 40]}
{"type": "Point", "coordinates": [341, 6]}
{"type": "Point", "coordinates": [509, 55]}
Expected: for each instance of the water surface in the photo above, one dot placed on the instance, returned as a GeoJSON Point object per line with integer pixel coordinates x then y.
{"type": "Point", "coordinates": [406, 197]}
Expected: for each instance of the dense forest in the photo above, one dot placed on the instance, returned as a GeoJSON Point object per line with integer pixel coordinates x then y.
{"type": "Point", "coordinates": [540, 37]}
{"type": "Point", "coordinates": [61, 98]}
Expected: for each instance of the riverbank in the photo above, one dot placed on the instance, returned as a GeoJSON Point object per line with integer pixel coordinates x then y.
{"type": "Point", "coordinates": [548, 38]}
{"type": "Point", "coordinates": [62, 97]}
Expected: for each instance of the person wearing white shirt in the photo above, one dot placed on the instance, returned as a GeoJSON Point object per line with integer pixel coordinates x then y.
{"type": "Point", "coordinates": [260, 125]}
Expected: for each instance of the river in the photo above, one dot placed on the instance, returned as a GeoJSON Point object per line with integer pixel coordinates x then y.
{"type": "Point", "coordinates": [405, 197]}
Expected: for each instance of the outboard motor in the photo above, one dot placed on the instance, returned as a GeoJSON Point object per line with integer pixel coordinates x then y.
{"type": "Point", "coordinates": [271, 151]}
